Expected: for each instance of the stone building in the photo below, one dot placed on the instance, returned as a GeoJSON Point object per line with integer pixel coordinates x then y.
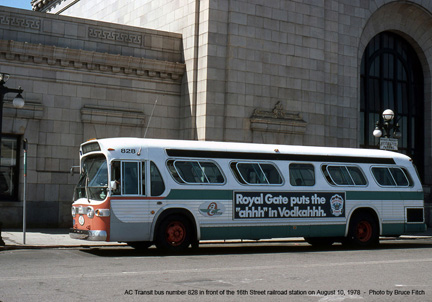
{"type": "Point", "coordinates": [81, 79]}
{"type": "Point", "coordinates": [308, 72]}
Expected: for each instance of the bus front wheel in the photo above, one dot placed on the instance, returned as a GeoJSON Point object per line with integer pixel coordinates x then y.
{"type": "Point", "coordinates": [174, 234]}
{"type": "Point", "coordinates": [363, 231]}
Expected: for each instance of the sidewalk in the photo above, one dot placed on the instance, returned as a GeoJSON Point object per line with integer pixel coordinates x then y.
{"type": "Point", "coordinates": [46, 238]}
{"type": "Point", "coordinates": [57, 238]}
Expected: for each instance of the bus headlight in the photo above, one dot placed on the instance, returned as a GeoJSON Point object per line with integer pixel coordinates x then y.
{"type": "Point", "coordinates": [73, 211]}
{"type": "Point", "coordinates": [80, 210]}
{"type": "Point", "coordinates": [90, 212]}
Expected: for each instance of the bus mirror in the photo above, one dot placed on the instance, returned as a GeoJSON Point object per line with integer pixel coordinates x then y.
{"type": "Point", "coordinates": [71, 171]}
{"type": "Point", "coordinates": [113, 185]}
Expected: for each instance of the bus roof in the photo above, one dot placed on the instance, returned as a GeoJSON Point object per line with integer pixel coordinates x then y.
{"type": "Point", "coordinates": [213, 147]}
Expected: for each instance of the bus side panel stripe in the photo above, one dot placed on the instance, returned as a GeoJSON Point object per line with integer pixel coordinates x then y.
{"type": "Point", "coordinates": [200, 194]}
{"type": "Point", "coordinates": [392, 229]}
{"type": "Point", "coordinates": [386, 195]}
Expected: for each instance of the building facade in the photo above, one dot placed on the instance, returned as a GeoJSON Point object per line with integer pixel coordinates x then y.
{"type": "Point", "coordinates": [244, 57]}
{"type": "Point", "coordinates": [309, 72]}
{"type": "Point", "coordinates": [81, 79]}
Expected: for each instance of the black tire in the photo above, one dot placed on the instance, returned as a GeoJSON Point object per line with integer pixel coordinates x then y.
{"type": "Point", "coordinates": [319, 241]}
{"type": "Point", "coordinates": [174, 234]}
{"type": "Point", "coordinates": [139, 245]}
{"type": "Point", "coordinates": [363, 231]}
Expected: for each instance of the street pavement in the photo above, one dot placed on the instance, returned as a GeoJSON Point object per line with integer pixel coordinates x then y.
{"type": "Point", "coordinates": [57, 238]}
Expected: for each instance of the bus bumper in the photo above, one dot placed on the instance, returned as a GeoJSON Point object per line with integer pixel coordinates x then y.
{"type": "Point", "coordinates": [93, 235]}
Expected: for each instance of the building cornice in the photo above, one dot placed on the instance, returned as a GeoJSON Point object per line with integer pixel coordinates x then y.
{"type": "Point", "coordinates": [69, 32]}
{"type": "Point", "coordinates": [90, 60]}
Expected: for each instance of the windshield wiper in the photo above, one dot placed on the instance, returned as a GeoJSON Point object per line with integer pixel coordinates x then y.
{"type": "Point", "coordinates": [87, 180]}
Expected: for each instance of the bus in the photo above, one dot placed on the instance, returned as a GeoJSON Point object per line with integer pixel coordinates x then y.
{"type": "Point", "coordinates": [174, 193]}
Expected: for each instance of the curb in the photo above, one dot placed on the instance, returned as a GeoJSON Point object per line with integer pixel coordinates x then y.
{"type": "Point", "coordinates": [282, 240]}
{"type": "Point", "coordinates": [40, 247]}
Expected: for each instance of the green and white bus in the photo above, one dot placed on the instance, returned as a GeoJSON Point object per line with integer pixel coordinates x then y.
{"type": "Point", "coordinates": [174, 193]}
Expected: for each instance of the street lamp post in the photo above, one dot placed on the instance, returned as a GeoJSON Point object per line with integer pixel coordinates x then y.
{"type": "Point", "coordinates": [388, 131]}
{"type": "Point", "coordinates": [18, 101]}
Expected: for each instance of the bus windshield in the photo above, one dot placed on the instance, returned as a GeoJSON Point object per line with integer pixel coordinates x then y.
{"type": "Point", "coordinates": [93, 183]}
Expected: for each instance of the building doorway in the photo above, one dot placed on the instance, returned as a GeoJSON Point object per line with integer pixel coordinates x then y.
{"type": "Point", "coordinates": [392, 78]}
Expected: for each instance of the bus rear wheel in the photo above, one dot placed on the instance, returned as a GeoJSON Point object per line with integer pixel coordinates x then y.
{"type": "Point", "coordinates": [174, 234]}
{"type": "Point", "coordinates": [363, 231]}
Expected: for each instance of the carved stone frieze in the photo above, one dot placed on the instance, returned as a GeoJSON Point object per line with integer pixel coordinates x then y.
{"type": "Point", "coordinates": [122, 37]}
{"type": "Point", "coordinates": [24, 22]}
{"type": "Point", "coordinates": [90, 60]}
{"type": "Point", "coordinates": [277, 120]}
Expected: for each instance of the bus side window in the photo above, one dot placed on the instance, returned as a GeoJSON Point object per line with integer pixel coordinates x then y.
{"type": "Point", "coordinates": [236, 173]}
{"type": "Point", "coordinates": [194, 172]}
{"type": "Point", "coordinates": [340, 175]}
{"type": "Point", "coordinates": [190, 171]}
{"type": "Point", "coordinates": [408, 177]}
{"type": "Point", "coordinates": [173, 171]}
{"type": "Point", "coordinates": [157, 183]}
{"type": "Point", "coordinates": [344, 175]}
{"type": "Point", "coordinates": [256, 173]}
{"type": "Point", "coordinates": [302, 174]}
{"type": "Point", "coordinates": [399, 177]}
{"type": "Point", "coordinates": [357, 176]}
{"type": "Point", "coordinates": [382, 176]}
{"type": "Point", "coordinates": [212, 173]}
{"type": "Point", "coordinates": [272, 174]}
{"type": "Point", "coordinates": [251, 173]}
{"type": "Point", "coordinates": [326, 175]}
{"type": "Point", "coordinates": [392, 176]}
{"type": "Point", "coordinates": [115, 178]}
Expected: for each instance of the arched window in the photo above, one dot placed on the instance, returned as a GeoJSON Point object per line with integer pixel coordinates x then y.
{"type": "Point", "coordinates": [392, 78]}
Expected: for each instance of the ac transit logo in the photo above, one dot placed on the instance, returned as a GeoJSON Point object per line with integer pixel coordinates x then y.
{"type": "Point", "coordinates": [336, 205]}
{"type": "Point", "coordinates": [211, 208]}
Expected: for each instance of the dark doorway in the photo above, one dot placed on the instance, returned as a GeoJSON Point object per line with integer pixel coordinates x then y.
{"type": "Point", "coordinates": [392, 78]}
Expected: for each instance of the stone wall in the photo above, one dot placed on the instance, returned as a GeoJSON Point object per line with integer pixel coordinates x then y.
{"type": "Point", "coordinates": [245, 58]}
{"type": "Point", "coordinates": [81, 79]}
{"type": "Point", "coordinates": [247, 55]}
{"type": "Point", "coordinates": [274, 71]}
{"type": "Point", "coordinates": [167, 15]}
